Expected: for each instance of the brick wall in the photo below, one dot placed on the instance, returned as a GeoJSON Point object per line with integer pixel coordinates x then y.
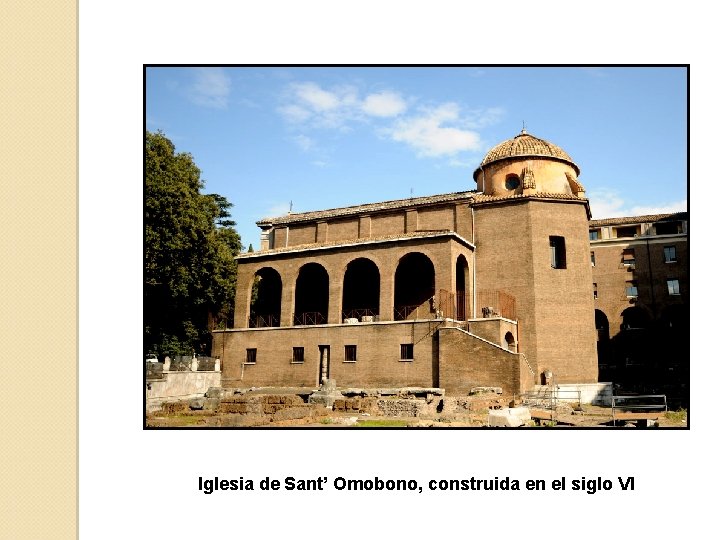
{"type": "Point", "coordinates": [378, 355]}
{"type": "Point", "coordinates": [467, 361]}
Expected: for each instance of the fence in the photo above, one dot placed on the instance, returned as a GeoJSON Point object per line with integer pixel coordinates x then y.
{"type": "Point", "coordinates": [495, 304]}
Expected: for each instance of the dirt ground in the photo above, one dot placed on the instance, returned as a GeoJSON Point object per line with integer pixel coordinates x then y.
{"type": "Point", "coordinates": [588, 417]}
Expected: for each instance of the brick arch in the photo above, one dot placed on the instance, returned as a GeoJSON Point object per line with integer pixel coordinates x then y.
{"type": "Point", "coordinates": [635, 317]}
{"type": "Point", "coordinates": [361, 289]}
{"type": "Point", "coordinates": [414, 287]}
{"type": "Point", "coordinates": [312, 294]}
{"type": "Point", "coordinates": [265, 298]}
{"type": "Point", "coordinates": [462, 288]}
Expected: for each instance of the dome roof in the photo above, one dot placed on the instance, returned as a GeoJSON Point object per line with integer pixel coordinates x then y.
{"type": "Point", "coordinates": [526, 145]}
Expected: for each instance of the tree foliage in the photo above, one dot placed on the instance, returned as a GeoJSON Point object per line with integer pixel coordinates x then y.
{"type": "Point", "coordinates": [189, 250]}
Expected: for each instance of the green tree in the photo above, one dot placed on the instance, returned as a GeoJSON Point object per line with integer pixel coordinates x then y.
{"type": "Point", "coordinates": [189, 251]}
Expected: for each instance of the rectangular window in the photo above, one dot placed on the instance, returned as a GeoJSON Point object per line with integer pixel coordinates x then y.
{"type": "Point", "coordinates": [592, 258]}
{"type": "Point", "coordinates": [631, 289]}
{"type": "Point", "coordinates": [406, 351]}
{"type": "Point", "coordinates": [673, 286]}
{"type": "Point", "coordinates": [668, 227]}
{"type": "Point", "coordinates": [595, 290]}
{"type": "Point", "coordinates": [626, 232]}
{"type": "Point", "coordinates": [557, 252]}
{"type": "Point", "coordinates": [670, 255]}
{"type": "Point", "coordinates": [251, 356]}
{"type": "Point", "coordinates": [628, 257]}
{"type": "Point", "coordinates": [351, 353]}
{"type": "Point", "coordinates": [594, 234]}
{"type": "Point", "coordinates": [298, 355]}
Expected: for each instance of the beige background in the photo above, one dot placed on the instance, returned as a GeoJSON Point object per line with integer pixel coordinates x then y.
{"type": "Point", "coordinates": [38, 475]}
{"type": "Point", "coordinates": [38, 321]}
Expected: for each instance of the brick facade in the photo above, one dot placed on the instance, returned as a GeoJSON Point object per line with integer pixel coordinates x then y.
{"type": "Point", "coordinates": [437, 255]}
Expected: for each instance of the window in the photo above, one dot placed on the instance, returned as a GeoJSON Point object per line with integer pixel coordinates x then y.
{"type": "Point", "coordinates": [670, 255]}
{"type": "Point", "coordinates": [631, 289]}
{"type": "Point", "coordinates": [351, 353]}
{"type": "Point", "coordinates": [673, 286]}
{"type": "Point", "coordinates": [298, 355]}
{"type": "Point", "coordinates": [406, 351]}
{"type": "Point", "coordinates": [595, 290]}
{"type": "Point", "coordinates": [668, 227]}
{"type": "Point", "coordinates": [512, 181]}
{"type": "Point", "coordinates": [594, 234]}
{"type": "Point", "coordinates": [628, 257]}
{"type": "Point", "coordinates": [626, 232]}
{"type": "Point", "coordinates": [592, 258]}
{"type": "Point", "coordinates": [557, 252]}
{"type": "Point", "coordinates": [251, 356]}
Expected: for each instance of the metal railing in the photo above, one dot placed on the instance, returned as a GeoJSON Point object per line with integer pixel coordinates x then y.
{"type": "Point", "coordinates": [263, 321]}
{"type": "Point", "coordinates": [309, 318]}
{"type": "Point", "coordinates": [495, 303]}
{"type": "Point", "coordinates": [359, 314]}
{"type": "Point", "coordinates": [548, 399]}
{"type": "Point", "coordinates": [643, 407]}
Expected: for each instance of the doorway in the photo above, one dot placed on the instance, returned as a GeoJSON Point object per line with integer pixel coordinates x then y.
{"type": "Point", "coordinates": [324, 373]}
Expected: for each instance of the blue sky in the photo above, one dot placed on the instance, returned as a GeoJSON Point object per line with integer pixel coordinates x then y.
{"type": "Point", "coordinates": [331, 137]}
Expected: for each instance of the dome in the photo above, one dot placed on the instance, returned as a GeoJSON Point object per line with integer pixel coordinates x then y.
{"type": "Point", "coordinates": [526, 145]}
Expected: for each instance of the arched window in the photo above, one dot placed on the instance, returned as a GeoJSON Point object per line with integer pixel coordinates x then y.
{"type": "Point", "coordinates": [361, 290]}
{"type": "Point", "coordinates": [414, 287]}
{"type": "Point", "coordinates": [265, 299]}
{"type": "Point", "coordinates": [311, 295]}
{"type": "Point", "coordinates": [602, 326]}
{"type": "Point", "coordinates": [634, 318]}
{"type": "Point", "coordinates": [509, 342]}
{"type": "Point", "coordinates": [462, 297]}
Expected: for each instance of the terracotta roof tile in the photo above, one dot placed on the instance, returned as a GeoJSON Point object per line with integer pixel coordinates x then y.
{"type": "Point", "coordinates": [526, 145]}
{"type": "Point", "coordinates": [371, 240]}
{"type": "Point", "coordinates": [629, 220]}
{"type": "Point", "coordinates": [363, 208]}
{"type": "Point", "coordinates": [480, 198]}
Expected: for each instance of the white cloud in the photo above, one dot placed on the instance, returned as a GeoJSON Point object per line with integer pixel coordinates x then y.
{"type": "Point", "coordinates": [430, 135]}
{"type": "Point", "coordinates": [294, 113]}
{"type": "Point", "coordinates": [384, 104]}
{"type": "Point", "coordinates": [316, 98]}
{"type": "Point", "coordinates": [304, 142]}
{"type": "Point", "coordinates": [210, 88]}
{"type": "Point", "coordinates": [608, 204]}
{"type": "Point", "coordinates": [669, 208]}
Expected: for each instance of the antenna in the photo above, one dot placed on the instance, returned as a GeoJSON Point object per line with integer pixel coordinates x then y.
{"type": "Point", "coordinates": [411, 193]}
{"type": "Point", "coordinates": [290, 211]}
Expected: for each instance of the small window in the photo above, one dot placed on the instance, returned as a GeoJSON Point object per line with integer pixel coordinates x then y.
{"type": "Point", "coordinates": [631, 289]}
{"type": "Point", "coordinates": [592, 258]}
{"type": "Point", "coordinates": [673, 286]}
{"type": "Point", "coordinates": [406, 351]}
{"type": "Point", "coordinates": [557, 252]}
{"type": "Point", "coordinates": [594, 234]}
{"type": "Point", "coordinates": [628, 257]}
{"type": "Point", "coordinates": [595, 290]}
{"type": "Point", "coordinates": [668, 227]}
{"type": "Point", "coordinates": [251, 356]}
{"type": "Point", "coordinates": [626, 232]}
{"type": "Point", "coordinates": [351, 353]}
{"type": "Point", "coordinates": [670, 255]}
{"type": "Point", "coordinates": [512, 181]}
{"type": "Point", "coordinates": [298, 355]}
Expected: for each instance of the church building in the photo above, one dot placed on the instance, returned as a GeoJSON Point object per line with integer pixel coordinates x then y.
{"type": "Point", "coordinates": [487, 287]}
